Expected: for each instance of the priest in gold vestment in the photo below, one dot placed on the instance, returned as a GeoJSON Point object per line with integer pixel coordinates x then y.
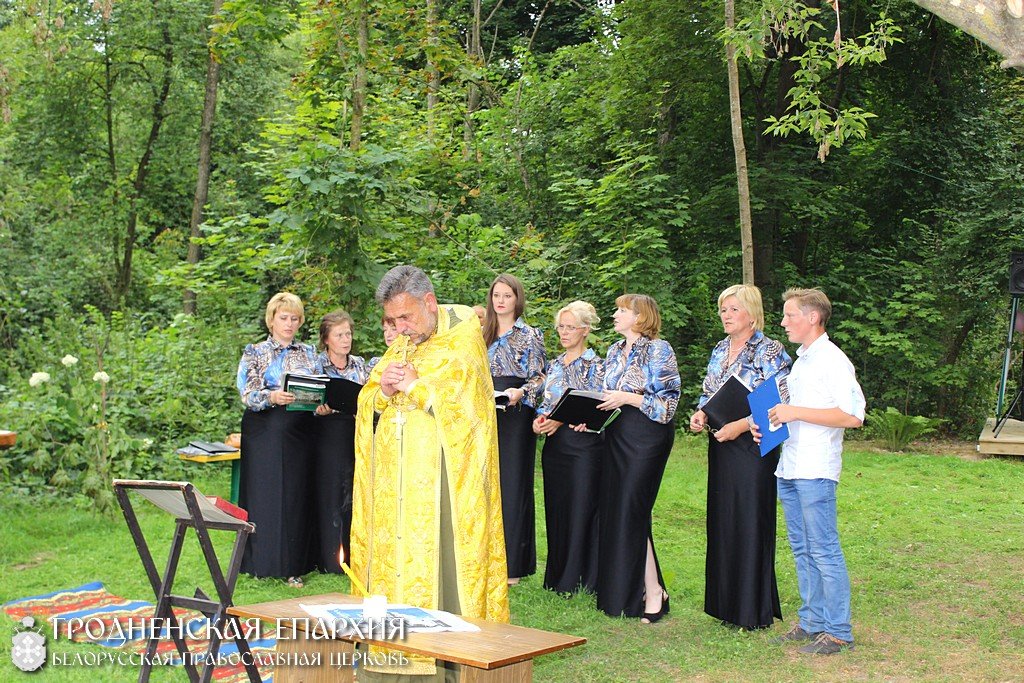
{"type": "Point", "coordinates": [426, 521]}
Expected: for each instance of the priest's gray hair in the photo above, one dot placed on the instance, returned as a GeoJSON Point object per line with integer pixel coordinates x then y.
{"type": "Point", "coordinates": [403, 280]}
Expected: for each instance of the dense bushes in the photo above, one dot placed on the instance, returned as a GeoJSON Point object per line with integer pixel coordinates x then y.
{"type": "Point", "coordinates": [94, 398]}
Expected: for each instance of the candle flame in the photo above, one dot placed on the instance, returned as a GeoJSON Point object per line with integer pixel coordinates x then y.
{"type": "Point", "coordinates": [356, 584]}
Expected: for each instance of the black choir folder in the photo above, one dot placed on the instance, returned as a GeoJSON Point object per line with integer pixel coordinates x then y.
{"type": "Point", "coordinates": [312, 390]}
{"type": "Point", "coordinates": [580, 407]}
{"type": "Point", "coordinates": [728, 404]}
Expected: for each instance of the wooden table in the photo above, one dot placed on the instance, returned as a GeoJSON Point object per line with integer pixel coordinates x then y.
{"type": "Point", "coordinates": [233, 456]}
{"type": "Point", "coordinates": [497, 653]}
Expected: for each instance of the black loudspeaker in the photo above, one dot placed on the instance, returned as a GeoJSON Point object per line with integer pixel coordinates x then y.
{"type": "Point", "coordinates": [1017, 273]}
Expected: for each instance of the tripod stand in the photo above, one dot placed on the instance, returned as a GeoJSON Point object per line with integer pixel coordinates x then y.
{"type": "Point", "coordinates": [1018, 400]}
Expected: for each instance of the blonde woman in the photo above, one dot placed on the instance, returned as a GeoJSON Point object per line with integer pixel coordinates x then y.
{"type": "Point", "coordinates": [275, 472]}
{"type": "Point", "coordinates": [571, 460]}
{"type": "Point", "coordinates": [739, 574]}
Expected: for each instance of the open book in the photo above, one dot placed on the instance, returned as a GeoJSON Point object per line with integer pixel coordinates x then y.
{"type": "Point", "coordinates": [351, 617]}
{"type": "Point", "coordinates": [580, 407]}
{"type": "Point", "coordinates": [169, 496]}
{"type": "Point", "coordinates": [314, 390]}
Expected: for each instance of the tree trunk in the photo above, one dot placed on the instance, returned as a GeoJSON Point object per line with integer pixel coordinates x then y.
{"type": "Point", "coordinates": [475, 54]}
{"type": "Point", "coordinates": [203, 170]}
{"type": "Point", "coordinates": [997, 23]}
{"type": "Point", "coordinates": [124, 274]}
{"type": "Point", "coordinates": [359, 83]}
{"type": "Point", "coordinates": [740, 149]}
{"type": "Point", "coordinates": [434, 75]}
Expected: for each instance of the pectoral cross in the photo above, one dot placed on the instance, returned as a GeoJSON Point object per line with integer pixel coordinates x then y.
{"type": "Point", "coordinates": [400, 401]}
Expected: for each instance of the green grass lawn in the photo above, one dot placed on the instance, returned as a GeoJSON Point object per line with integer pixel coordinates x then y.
{"type": "Point", "coordinates": [934, 544]}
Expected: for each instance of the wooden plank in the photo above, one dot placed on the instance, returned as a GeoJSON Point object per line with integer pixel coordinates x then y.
{"type": "Point", "coordinates": [219, 457]}
{"type": "Point", "coordinates": [1010, 440]}
{"type": "Point", "coordinates": [333, 660]}
{"type": "Point", "coordinates": [494, 646]}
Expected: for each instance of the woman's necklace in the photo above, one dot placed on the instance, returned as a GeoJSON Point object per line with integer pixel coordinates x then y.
{"type": "Point", "coordinates": [340, 366]}
{"type": "Point", "coordinates": [734, 353]}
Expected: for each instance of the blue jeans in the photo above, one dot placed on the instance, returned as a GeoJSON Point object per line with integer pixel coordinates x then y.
{"type": "Point", "coordinates": [811, 523]}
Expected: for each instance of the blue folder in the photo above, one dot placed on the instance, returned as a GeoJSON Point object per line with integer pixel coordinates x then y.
{"type": "Point", "coordinates": [761, 400]}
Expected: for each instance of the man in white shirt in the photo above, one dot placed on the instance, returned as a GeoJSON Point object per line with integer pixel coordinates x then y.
{"type": "Point", "coordinates": [824, 400]}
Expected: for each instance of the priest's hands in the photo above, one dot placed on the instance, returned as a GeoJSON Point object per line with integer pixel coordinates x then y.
{"type": "Point", "coordinates": [397, 377]}
{"type": "Point", "coordinates": [409, 375]}
{"type": "Point", "coordinates": [392, 375]}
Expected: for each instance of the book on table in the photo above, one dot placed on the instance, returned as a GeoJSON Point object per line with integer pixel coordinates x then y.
{"type": "Point", "coordinates": [212, 447]}
{"type": "Point", "coordinates": [580, 407]}
{"type": "Point", "coordinates": [207, 451]}
{"type": "Point", "coordinates": [311, 391]}
{"type": "Point", "coordinates": [728, 404]}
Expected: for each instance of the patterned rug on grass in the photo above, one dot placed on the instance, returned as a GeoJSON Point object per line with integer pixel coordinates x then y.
{"type": "Point", "coordinates": [91, 614]}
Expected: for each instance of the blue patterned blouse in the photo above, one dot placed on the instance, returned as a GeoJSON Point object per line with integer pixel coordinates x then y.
{"type": "Point", "coordinates": [520, 353]}
{"type": "Point", "coordinates": [586, 372]}
{"type": "Point", "coordinates": [264, 365]}
{"type": "Point", "coordinates": [651, 370]}
{"type": "Point", "coordinates": [355, 370]}
{"type": "Point", "coordinates": [760, 359]}
{"type": "Point", "coordinates": [371, 364]}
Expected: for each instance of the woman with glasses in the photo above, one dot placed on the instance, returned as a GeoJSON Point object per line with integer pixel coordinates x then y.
{"type": "Point", "coordinates": [571, 460]}
{"type": "Point", "coordinates": [517, 357]}
{"type": "Point", "coordinates": [335, 457]}
{"type": "Point", "coordinates": [739, 576]}
{"type": "Point", "coordinates": [640, 378]}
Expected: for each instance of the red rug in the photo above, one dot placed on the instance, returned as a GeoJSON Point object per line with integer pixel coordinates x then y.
{"type": "Point", "coordinates": [91, 614]}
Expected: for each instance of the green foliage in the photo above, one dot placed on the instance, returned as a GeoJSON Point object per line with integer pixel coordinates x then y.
{"type": "Point", "coordinates": [898, 430]}
{"type": "Point", "coordinates": [76, 431]}
{"type": "Point", "coordinates": [797, 31]}
{"type": "Point", "coordinates": [597, 160]}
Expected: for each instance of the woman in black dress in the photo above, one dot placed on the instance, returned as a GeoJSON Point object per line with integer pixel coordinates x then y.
{"type": "Point", "coordinates": [571, 460]}
{"type": "Point", "coordinates": [640, 378]}
{"type": "Point", "coordinates": [277, 449]}
{"type": "Point", "coordinates": [516, 353]}
{"type": "Point", "coordinates": [334, 453]}
{"type": "Point", "coordinates": [739, 577]}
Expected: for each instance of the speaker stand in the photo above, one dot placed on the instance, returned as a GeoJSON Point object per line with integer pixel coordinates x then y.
{"type": "Point", "coordinates": [1018, 399]}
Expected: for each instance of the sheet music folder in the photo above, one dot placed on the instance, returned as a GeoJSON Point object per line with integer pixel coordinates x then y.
{"type": "Point", "coordinates": [338, 393]}
{"type": "Point", "coordinates": [728, 404]}
{"type": "Point", "coordinates": [761, 400]}
{"type": "Point", "coordinates": [580, 407]}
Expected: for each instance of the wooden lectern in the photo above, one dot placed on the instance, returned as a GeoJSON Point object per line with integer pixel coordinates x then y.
{"type": "Point", "coordinates": [190, 510]}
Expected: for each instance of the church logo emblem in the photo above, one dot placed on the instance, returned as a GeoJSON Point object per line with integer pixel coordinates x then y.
{"type": "Point", "coordinates": [28, 647]}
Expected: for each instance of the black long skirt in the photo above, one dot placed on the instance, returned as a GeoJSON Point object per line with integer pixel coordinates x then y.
{"type": "Point", "coordinates": [274, 489]}
{"type": "Point", "coordinates": [571, 462]}
{"type": "Point", "coordinates": [739, 574]}
{"type": "Point", "coordinates": [334, 459]}
{"type": "Point", "coordinates": [636, 452]}
{"type": "Point", "coordinates": [517, 454]}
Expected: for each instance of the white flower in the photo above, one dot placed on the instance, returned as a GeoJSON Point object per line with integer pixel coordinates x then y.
{"type": "Point", "coordinates": [38, 378]}
{"type": "Point", "coordinates": [101, 377]}
{"type": "Point", "coordinates": [68, 360]}
{"type": "Point", "coordinates": [147, 442]}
